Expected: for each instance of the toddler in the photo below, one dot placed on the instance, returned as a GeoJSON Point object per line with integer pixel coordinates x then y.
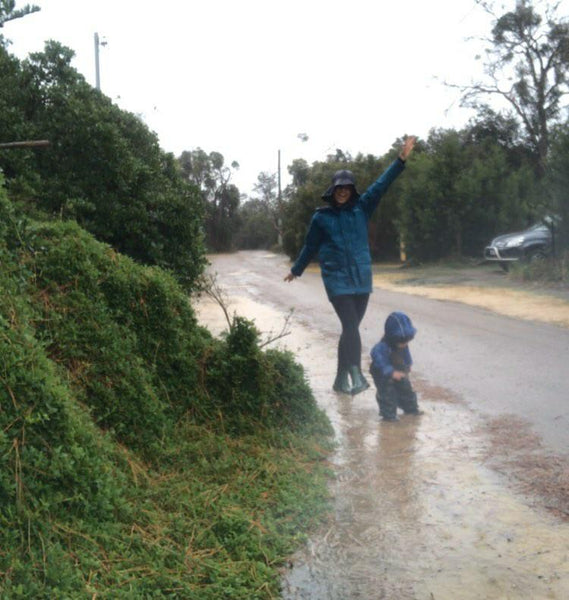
{"type": "Point", "coordinates": [390, 367]}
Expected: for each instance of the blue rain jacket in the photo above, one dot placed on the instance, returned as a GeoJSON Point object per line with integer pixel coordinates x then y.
{"type": "Point", "coordinates": [339, 235]}
{"type": "Point", "coordinates": [385, 356]}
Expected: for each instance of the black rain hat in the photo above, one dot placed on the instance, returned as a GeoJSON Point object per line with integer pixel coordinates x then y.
{"type": "Point", "coordinates": [343, 177]}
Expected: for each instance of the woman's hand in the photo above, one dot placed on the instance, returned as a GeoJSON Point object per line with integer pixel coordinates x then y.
{"type": "Point", "coordinates": [407, 147]}
{"type": "Point", "coordinates": [290, 277]}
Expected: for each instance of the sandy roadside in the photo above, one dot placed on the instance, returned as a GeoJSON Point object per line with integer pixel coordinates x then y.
{"type": "Point", "coordinates": [479, 286]}
{"type": "Point", "coordinates": [521, 304]}
{"type": "Point", "coordinates": [482, 286]}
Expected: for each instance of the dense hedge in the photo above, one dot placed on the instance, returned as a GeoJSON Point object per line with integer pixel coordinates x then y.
{"type": "Point", "coordinates": [141, 457]}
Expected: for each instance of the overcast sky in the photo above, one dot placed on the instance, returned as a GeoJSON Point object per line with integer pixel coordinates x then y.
{"type": "Point", "coordinates": [245, 77]}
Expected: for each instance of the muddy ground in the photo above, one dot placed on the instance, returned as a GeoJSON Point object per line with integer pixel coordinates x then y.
{"type": "Point", "coordinates": [453, 504]}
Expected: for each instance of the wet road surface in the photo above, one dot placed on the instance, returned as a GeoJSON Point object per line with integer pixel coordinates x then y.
{"type": "Point", "coordinates": [419, 511]}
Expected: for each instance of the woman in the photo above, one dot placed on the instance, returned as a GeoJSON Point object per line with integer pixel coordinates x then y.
{"type": "Point", "coordinates": [339, 234]}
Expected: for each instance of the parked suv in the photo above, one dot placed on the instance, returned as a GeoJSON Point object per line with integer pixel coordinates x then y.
{"type": "Point", "coordinates": [533, 243]}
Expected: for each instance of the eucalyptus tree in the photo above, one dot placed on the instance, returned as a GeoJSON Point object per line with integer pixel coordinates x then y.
{"type": "Point", "coordinates": [210, 174]}
{"type": "Point", "coordinates": [266, 195]}
{"type": "Point", "coordinates": [9, 12]}
{"type": "Point", "coordinates": [256, 226]}
{"type": "Point", "coordinates": [527, 66]}
{"type": "Point", "coordinates": [462, 188]}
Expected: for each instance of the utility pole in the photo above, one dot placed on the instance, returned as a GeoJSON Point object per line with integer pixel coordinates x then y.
{"type": "Point", "coordinates": [279, 176]}
{"type": "Point", "coordinates": [279, 204]}
{"type": "Point", "coordinates": [98, 43]}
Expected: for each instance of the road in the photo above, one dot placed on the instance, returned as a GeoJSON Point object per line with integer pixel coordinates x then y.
{"type": "Point", "coordinates": [430, 507]}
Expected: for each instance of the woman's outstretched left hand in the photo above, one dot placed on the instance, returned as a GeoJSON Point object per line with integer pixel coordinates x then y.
{"type": "Point", "coordinates": [407, 147]}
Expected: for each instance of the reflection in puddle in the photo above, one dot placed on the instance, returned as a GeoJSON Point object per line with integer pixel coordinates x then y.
{"type": "Point", "coordinates": [416, 514]}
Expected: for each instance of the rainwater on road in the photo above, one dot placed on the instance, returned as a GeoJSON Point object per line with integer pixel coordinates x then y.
{"type": "Point", "coordinates": [419, 510]}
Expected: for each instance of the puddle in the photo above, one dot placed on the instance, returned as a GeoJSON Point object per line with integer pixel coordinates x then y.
{"type": "Point", "coordinates": [417, 511]}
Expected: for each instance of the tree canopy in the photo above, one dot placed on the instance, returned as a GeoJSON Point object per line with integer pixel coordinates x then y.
{"type": "Point", "coordinates": [104, 168]}
{"type": "Point", "coordinates": [527, 65]}
{"type": "Point", "coordinates": [9, 12]}
{"type": "Point", "coordinates": [210, 174]}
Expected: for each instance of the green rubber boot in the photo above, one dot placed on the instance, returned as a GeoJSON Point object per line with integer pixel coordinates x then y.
{"type": "Point", "coordinates": [342, 382]}
{"type": "Point", "coordinates": [359, 382]}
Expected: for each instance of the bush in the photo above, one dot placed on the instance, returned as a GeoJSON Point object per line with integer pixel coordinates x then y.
{"type": "Point", "coordinates": [549, 270]}
{"type": "Point", "coordinates": [116, 478]}
{"type": "Point", "coordinates": [252, 389]}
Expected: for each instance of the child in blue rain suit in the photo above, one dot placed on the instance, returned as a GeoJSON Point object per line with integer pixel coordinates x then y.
{"type": "Point", "coordinates": [390, 367]}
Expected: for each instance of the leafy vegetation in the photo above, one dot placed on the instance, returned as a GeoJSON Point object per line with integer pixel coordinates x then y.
{"type": "Point", "coordinates": [460, 189]}
{"type": "Point", "coordinates": [103, 169]}
{"type": "Point", "coordinates": [212, 176]}
{"type": "Point", "coordinates": [140, 456]}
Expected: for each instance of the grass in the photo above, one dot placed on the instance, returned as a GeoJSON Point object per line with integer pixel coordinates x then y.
{"type": "Point", "coordinates": [141, 457]}
{"type": "Point", "coordinates": [216, 519]}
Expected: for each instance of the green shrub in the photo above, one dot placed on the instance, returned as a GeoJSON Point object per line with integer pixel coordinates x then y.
{"type": "Point", "coordinates": [118, 479]}
{"type": "Point", "coordinates": [291, 401]}
{"type": "Point", "coordinates": [252, 389]}
{"type": "Point", "coordinates": [82, 335]}
{"type": "Point", "coordinates": [547, 271]}
{"type": "Point", "coordinates": [48, 444]}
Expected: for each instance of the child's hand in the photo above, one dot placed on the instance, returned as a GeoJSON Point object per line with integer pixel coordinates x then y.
{"type": "Point", "coordinates": [398, 375]}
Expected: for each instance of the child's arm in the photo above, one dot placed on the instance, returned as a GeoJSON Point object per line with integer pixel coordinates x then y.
{"type": "Point", "coordinates": [380, 359]}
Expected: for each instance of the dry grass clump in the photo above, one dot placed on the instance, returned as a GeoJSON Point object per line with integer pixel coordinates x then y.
{"type": "Point", "coordinates": [435, 393]}
{"type": "Point", "coordinates": [515, 450]}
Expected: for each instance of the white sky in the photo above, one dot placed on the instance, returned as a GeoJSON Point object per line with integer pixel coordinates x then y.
{"type": "Point", "coordinates": [245, 77]}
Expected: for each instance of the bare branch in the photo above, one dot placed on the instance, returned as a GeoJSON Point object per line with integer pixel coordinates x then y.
{"type": "Point", "coordinates": [283, 332]}
{"type": "Point", "coordinates": [26, 144]}
{"type": "Point", "coordinates": [210, 287]}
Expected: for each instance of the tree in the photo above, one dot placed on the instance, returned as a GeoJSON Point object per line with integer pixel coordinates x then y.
{"type": "Point", "coordinates": [9, 12]}
{"type": "Point", "coordinates": [461, 190]}
{"type": "Point", "coordinates": [299, 171]}
{"type": "Point", "coordinates": [104, 168]}
{"type": "Point", "coordinates": [527, 65]}
{"type": "Point", "coordinates": [558, 179]}
{"type": "Point", "coordinates": [265, 193]}
{"type": "Point", "coordinates": [256, 229]}
{"type": "Point", "coordinates": [212, 176]}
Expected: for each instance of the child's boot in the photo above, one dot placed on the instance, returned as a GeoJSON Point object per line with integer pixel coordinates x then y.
{"type": "Point", "coordinates": [408, 398]}
{"type": "Point", "coordinates": [359, 382]}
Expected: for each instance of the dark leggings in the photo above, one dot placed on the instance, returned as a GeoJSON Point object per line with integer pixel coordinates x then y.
{"type": "Point", "coordinates": [351, 310]}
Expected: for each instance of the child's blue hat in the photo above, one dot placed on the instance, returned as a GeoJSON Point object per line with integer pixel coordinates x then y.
{"type": "Point", "coordinates": [398, 327]}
